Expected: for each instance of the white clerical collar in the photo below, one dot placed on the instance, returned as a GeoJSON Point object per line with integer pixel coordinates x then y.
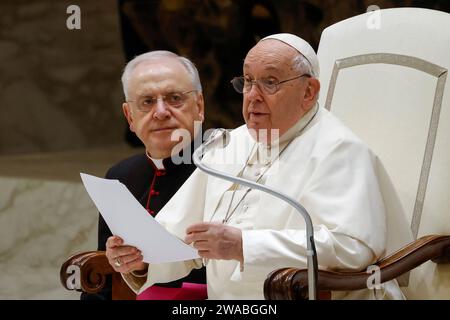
{"type": "Point", "coordinates": [157, 162]}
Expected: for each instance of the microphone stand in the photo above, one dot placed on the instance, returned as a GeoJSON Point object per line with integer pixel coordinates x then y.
{"type": "Point", "coordinates": [311, 253]}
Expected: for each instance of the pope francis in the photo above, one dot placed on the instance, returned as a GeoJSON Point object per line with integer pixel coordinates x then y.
{"type": "Point", "coordinates": [290, 144]}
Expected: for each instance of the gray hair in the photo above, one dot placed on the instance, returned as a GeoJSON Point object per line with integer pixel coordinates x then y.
{"type": "Point", "coordinates": [131, 65]}
{"type": "Point", "coordinates": [302, 65]}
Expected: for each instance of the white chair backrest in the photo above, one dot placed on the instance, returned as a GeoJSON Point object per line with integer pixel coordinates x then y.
{"type": "Point", "coordinates": [384, 74]}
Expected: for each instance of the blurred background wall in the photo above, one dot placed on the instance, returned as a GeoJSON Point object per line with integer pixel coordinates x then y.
{"type": "Point", "coordinates": [59, 88]}
{"type": "Point", "coordinates": [60, 104]}
{"type": "Point", "coordinates": [60, 113]}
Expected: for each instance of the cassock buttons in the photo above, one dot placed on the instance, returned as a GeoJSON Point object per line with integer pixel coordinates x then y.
{"type": "Point", "coordinates": [160, 173]}
{"type": "Point", "coordinates": [154, 193]}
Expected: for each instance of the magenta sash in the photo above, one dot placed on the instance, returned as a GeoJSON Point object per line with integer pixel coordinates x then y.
{"type": "Point", "coordinates": [188, 291]}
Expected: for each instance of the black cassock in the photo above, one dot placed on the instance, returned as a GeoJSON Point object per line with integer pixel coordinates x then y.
{"type": "Point", "coordinates": [153, 188]}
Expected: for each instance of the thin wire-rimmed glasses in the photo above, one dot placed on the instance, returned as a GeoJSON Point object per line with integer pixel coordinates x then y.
{"type": "Point", "coordinates": [267, 85]}
{"type": "Point", "coordinates": [146, 103]}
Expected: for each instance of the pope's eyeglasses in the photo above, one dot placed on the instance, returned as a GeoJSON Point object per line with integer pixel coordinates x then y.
{"type": "Point", "coordinates": [267, 85]}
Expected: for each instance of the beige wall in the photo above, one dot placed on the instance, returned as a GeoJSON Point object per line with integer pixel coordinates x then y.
{"type": "Point", "coordinates": [59, 88]}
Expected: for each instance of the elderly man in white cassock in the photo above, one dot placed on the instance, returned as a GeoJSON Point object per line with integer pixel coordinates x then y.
{"type": "Point", "coordinates": [290, 144]}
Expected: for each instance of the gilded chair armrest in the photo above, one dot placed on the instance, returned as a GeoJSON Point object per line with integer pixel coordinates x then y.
{"type": "Point", "coordinates": [85, 271]}
{"type": "Point", "coordinates": [292, 283]}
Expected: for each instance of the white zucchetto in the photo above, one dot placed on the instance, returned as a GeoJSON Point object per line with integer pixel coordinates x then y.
{"type": "Point", "coordinates": [301, 46]}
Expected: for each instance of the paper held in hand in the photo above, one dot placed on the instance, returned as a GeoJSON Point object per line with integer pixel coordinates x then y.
{"type": "Point", "coordinates": [128, 219]}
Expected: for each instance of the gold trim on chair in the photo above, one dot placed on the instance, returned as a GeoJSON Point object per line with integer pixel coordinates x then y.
{"type": "Point", "coordinates": [411, 62]}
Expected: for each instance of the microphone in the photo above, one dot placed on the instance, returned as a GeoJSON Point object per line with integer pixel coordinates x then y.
{"type": "Point", "coordinates": [311, 254]}
{"type": "Point", "coordinates": [213, 140]}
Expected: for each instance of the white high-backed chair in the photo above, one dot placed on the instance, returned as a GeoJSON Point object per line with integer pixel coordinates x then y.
{"type": "Point", "coordinates": [385, 75]}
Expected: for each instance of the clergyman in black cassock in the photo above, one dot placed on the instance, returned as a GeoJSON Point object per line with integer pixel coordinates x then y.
{"type": "Point", "coordinates": [153, 188]}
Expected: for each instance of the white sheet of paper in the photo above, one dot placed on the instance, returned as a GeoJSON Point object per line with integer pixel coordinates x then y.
{"type": "Point", "coordinates": [126, 218]}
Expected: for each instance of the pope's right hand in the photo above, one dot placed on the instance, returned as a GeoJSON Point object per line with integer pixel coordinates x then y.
{"type": "Point", "coordinates": [124, 259]}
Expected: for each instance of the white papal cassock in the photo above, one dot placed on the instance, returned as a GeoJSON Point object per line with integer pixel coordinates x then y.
{"type": "Point", "coordinates": [329, 170]}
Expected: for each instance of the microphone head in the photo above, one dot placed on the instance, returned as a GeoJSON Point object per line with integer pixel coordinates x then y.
{"type": "Point", "coordinates": [218, 138]}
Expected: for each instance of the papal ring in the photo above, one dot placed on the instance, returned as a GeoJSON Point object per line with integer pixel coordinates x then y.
{"type": "Point", "coordinates": [117, 262]}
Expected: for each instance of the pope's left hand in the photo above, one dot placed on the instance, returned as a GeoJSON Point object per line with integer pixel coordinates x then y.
{"type": "Point", "coordinates": [216, 241]}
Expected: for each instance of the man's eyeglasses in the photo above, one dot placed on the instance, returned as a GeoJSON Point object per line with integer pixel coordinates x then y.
{"type": "Point", "coordinates": [172, 99]}
{"type": "Point", "coordinates": [267, 85]}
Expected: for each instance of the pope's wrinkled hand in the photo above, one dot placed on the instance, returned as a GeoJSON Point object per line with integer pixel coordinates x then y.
{"type": "Point", "coordinates": [122, 258]}
{"type": "Point", "coordinates": [216, 241]}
